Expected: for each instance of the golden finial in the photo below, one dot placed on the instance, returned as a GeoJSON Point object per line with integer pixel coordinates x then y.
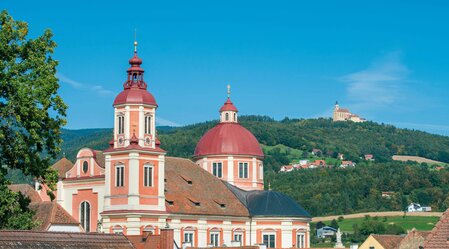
{"type": "Point", "coordinates": [229, 90]}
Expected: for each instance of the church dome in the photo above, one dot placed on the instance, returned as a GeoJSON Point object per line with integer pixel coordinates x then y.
{"type": "Point", "coordinates": [228, 139]}
{"type": "Point", "coordinates": [135, 95]}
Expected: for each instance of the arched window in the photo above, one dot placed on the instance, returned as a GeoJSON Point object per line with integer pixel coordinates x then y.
{"type": "Point", "coordinates": [85, 215]}
{"type": "Point", "coordinates": [149, 229]}
{"type": "Point", "coordinates": [121, 124]}
{"type": "Point", "coordinates": [227, 116]}
{"type": "Point", "coordinates": [235, 117]}
{"type": "Point", "coordinates": [189, 234]}
{"type": "Point", "coordinates": [85, 166]}
{"type": "Point", "coordinates": [214, 237]}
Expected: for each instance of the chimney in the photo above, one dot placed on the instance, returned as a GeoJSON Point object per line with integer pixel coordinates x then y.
{"type": "Point", "coordinates": [166, 239]}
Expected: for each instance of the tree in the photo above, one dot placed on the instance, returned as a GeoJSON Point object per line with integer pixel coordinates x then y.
{"type": "Point", "coordinates": [334, 224]}
{"type": "Point", "coordinates": [31, 113]}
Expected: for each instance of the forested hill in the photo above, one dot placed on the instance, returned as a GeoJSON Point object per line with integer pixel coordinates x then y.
{"type": "Point", "coordinates": [351, 139]}
{"type": "Point", "coordinates": [323, 191]}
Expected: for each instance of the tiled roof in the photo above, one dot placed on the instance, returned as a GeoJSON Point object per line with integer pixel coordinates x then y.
{"type": "Point", "coordinates": [26, 190]}
{"type": "Point", "coordinates": [151, 242]}
{"type": "Point", "coordinates": [99, 157]}
{"type": "Point", "coordinates": [192, 190]}
{"type": "Point", "coordinates": [388, 241]}
{"type": "Point", "coordinates": [439, 237]}
{"type": "Point", "coordinates": [53, 240]}
{"type": "Point", "coordinates": [51, 213]}
{"type": "Point", "coordinates": [62, 166]}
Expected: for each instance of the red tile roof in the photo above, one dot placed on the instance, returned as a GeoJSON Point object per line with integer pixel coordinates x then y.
{"type": "Point", "coordinates": [48, 213]}
{"type": "Point", "coordinates": [439, 237]}
{"type": "Point", "coordinates": [27, 190]}
{"type": "Point", "coordinates": [205, 189]}
{"type": "Point", "coordinates": [52, 240]}
{"type": "Point", "coordinates": [62, 166]}
{"type": "Point", "coordinates": [388, 241]}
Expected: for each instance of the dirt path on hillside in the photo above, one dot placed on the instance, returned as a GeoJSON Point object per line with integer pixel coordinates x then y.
{"type": "Point", "coordinates": [379, 214]}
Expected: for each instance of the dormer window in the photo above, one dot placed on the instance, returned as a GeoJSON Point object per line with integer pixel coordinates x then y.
{"type": "Point", "coordinates": [121, 124]}
{"type": "Point", "coordinates": [147, 124]}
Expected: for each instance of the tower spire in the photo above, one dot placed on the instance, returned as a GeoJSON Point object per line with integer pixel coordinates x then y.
{"type": "Point", "coordinates": [135, 41]}
{"type": "Point", "coordinates": [229, 90]}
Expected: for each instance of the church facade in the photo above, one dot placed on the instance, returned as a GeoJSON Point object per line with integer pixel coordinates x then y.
{"type": "Point", "coordinates": [217, 199]}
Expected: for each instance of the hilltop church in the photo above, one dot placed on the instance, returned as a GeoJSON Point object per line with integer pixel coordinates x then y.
{"type": "Point", "coordinates": [215, 200]}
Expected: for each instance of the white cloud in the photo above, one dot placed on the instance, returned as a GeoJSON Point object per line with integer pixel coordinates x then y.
{"type": "Point", "coordinates": [380, 85]}
{"type": "Point", "coordinates": [83, 86]}
{"type": "Point", "coordinates": [164, 122]}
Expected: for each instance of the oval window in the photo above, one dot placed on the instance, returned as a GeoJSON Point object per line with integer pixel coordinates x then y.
{"type": "Point", "coordinates": [85, 166]}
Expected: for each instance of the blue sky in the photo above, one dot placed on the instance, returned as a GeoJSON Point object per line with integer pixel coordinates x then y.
{"type": "Point", "coordinates": [387, 61]}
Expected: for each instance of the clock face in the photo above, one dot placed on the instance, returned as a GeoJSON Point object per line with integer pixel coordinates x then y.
{"type": "Point", "coordinates": [147, 140]}
{"type": "Point", "coordinates": [120, 140]}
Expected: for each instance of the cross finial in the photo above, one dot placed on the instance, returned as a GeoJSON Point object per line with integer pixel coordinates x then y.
{"type": "Point", "coordinates": [135, 40]}
{"type": "Point", "coordinates": [229, 90]}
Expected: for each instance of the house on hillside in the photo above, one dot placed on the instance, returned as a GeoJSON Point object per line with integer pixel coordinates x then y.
{"type": "Point", "coordinates": [326, 232]}
{"type": "Point", "coordinates": [317, 152]}
{"type": "Point", "coordinates": [416, 207]}
{"type": "Point", "coordinates": [369, 157]}
{"type": "Point", "coordinates": [318, 163]}
{"type": "Point", "coordinates": [304, 162]}
{"type": "Point", "coordinates": [345, 164]}
{"type": "Point", "coordinates": [287, 168]}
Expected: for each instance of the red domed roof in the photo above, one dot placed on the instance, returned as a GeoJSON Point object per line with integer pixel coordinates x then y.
{"type": "Point", "coordinates": [135, 95]}
{"type": "Point", "coordinates": [228, 139]}
{"type": "Point", "coordinates": [228, 106]}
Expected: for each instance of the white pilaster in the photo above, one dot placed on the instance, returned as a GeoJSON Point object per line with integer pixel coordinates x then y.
{"type": "Point", "coordinates": [231, 169]}
{"type": "Point", "coordinates": [202, 233]}
{"type": "Point", "coordinates": [286, 234]}
{"type": "Point", "coordinates": [107, 180]}
{"type": "Point", "coordinates": [227, 233]}
{"type": "Point", "coordinates": [141, 131]}
{"type": "Point", "coordinates": [133, 179]}
{"type": "Point", "coordinates": [91, 166]}
{"type": "Point", "coordinates": [254, 179]}
{"type": "Point", "coordinates": [161, 182]}
{"type": "Point", "coordinates": [127, 124]}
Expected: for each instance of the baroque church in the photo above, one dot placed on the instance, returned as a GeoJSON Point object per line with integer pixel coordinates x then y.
{"type": "Point", "coordinates": [215, 199]}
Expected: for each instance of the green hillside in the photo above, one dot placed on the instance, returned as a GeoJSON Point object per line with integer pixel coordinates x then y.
{"type": "Point", "coordinates": [323, 191]}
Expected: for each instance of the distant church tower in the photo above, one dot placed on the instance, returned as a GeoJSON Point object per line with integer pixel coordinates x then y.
{"type": "Point", "coordinates": [230, 152]}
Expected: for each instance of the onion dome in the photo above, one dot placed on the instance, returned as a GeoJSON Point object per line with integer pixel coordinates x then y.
{"type": "Point", "coordinates": [135, 88]}
{"type": "Point", "coordinates": [228, 139]}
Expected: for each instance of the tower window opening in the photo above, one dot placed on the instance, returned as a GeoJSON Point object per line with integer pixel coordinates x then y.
{"type": "Point", "coordinates": [227, 116]}
{"type": "Point", "coordinates": [147, 124]}
{"type": "Point", "coordinates": [121, 124]}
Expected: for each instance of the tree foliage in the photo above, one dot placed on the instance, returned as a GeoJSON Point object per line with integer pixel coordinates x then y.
{"type": "Point", "coordinates": [31, 112]}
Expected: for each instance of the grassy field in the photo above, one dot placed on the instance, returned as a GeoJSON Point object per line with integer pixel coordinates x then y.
{"type": "Point", "coordinates": [409, 222]}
